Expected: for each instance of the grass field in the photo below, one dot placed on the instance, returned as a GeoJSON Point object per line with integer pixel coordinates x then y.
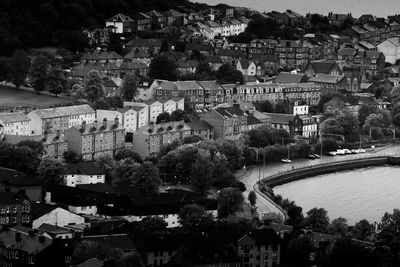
{"type": "Point", "coordinates": [10, 96]}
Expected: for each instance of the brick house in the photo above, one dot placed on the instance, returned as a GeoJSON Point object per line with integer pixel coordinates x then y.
{"type": "Point", "coordinates": [15, 209]}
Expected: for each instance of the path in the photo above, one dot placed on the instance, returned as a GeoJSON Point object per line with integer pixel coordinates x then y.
{"type": "Point", "coordinates": [264, 204]}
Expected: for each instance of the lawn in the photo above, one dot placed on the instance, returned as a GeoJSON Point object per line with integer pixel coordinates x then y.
{"type": "Point", "coordinates": [10, 96]}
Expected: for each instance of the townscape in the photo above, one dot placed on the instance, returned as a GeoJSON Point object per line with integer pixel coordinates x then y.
{"type": "Point", "coordinates": [142, 133]}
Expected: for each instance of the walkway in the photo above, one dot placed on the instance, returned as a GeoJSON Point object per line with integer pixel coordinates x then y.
{"type": "Point", "coordinates": [265, 204]}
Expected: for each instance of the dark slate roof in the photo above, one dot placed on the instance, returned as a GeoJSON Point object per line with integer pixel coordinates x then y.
{"type": "Point", "coordinates": [40, 209]}
{"type": "Point", "coordinates": [11, 198]}
{"type": "Point", "coordinates": [144, 43]}
{"type": "Point", "coordinates": [245, 63]}
{"type": "Point", "coordinates": [230, 111]}
{"type": "Point", "coordinates": [280, 118]}
{"type": "Point", "coordinates": [121, 241]}
{"type": "Point", "coordinates": [13, 177]}
{"type": "Point", "coordinates": [214, 59]}
{"type": "Point", "coordinates": [264, 236]}
{"type": "Point", "coordinates": [199, 125]}
{"type": "Point", "coordinates": [322, 67]}
{"type": "Point", "coordinates": [251, 120]}
{"type": "Point", "coordinates": [349, 99]}
{"type": "Point", "coordinates": [231, 53]}
{"type": "Point", "coordinates": [88, 168]}
{"type": "Point", "coordinates": [29, 243]}
{"type": "Point", "coordinates": [286, 77]}
{"type": "Point", "coordinates": [102, 188]}
{"type": "Point", "coordinates": [53, 229]}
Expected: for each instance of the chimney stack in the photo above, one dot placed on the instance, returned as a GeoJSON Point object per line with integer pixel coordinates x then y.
{"type": "Point", "coordinates": [105, 123]}
{"type": "Point", "coordinates": [58, 134]}
{"type": "Point", "coordinates": [116, 122]}
{"type": "Point", "coordinates": [83, 126]}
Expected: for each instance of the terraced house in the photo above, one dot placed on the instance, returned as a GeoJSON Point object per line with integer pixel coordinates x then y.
{"type": "Point", "coordinates": [96, 140]}
{"type": "Point", "coordinates": [51, 120]}
{"type": "Point", "coordinates": [190, 90]}
{"type": "Point", "coordinates": [14, 124]}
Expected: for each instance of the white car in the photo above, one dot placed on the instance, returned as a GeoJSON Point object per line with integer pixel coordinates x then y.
{"type": "Point", "coordinates": [347, 151]}
{"type": "Point", "coordinates": [354, 151]}
{"type": "Point", "coordinates": [340, 152]}
{"type": "Point", "coordinates": [286, 161]}
{"type": "Point", "coordinates": [361, 150]}
{"type": "Point", "coordinates": [332, 153]}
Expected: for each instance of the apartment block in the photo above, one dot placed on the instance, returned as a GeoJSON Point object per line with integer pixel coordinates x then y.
{"type": "Point", "coordinates": [14, 124]}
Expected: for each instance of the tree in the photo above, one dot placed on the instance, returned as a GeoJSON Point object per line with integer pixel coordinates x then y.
{"type": "Point", "coordinates": [57, 82]}
{"type": "Point", "coordinates": [161, 67]}
{"type": "Point", "coordinates": [391, 222]}
{"type": "Point", "coordinates": [363, 230]}
{"type": "Point", "coordinates": [71, 157]}
{"type": "Point", "coordinates": [129, 87]}
{"type": "Point", "coordinates": [350, 125]}
{"type": "Point", "coordinates": [299, 250]}
{"type": "Point", "coordinates": [151, 225]}
{"type": "Point", "coordinates": [20, 65]}
{"type": "Point", "coordinates": [163, 117]}
{"type": "Point", "coordinates": [230, 200]}
{"type": "Point", "coordinates": [228, 74]}
{"type": "Point", "coordinates": [272, 217]}
{"type": "Point", "coordinates": [338, 226]}
{"type": "Point", "coordinates": [164, 46]}
{"type": "Point", "coordinates": [265, 106]}
{"type": "Point", "coordinates": [124, 172]}
{"type": "Point", "coordinates": [364, 112]}
{"type": "Point", "coordinates": [192, 216]}
{"type": "Point", "coordinates": [317, 219]}
{"type": "Point", "coordinates": [295, 214]}
{"type": "Point", "coordinates": [38, 73]}
{"type": "Point", "coordinates": [50, 171]}
{"type": "Point", "coordinates": [261, 27]}
{"type": "Point", "coordinates": [147, 178]}
{"type": "Point", "coordinates": [89, 249]}
{"type": "Point", "coordinates": [201, 175]}
{"type": "Point", "coordinates": [179, 115]}
{"type": "Point", "coordinates": [128, 153]}
{"type": "Point", "coordinates": [37, 147]}
{"type": "Point", "coordinates": [252, 197]}
{"type": "Point", "coordinates": [94, 89]}
{"type": "Point", "coordinates": [331, 126]}
{"type": "Point", "coordinates": [77, 92]}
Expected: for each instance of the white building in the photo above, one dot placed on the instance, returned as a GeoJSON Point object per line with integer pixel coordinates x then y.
{"type": "Point", "coordinates": [127, 116]}
{"type": "Point", "coordinates": [14, 124]}
{"type": "Point", "coordinates": [120, 23]}
{"type": "Point", "coordinates": [83, 173]}
{"type": "Point", "coordinates": [60, 119]}
{"type": "Point", "coordinates": [54, 215]}
{"type": "Point", "coordinates": [391, 49]}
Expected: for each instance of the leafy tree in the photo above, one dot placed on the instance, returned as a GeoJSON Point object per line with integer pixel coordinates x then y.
{"type": "Point", "coordinates": [124, 172]}
{"type": "Point", "coordinates": [396, 120]}
{"type": "Point", "coordinates": [228, 74]}
{"type": "Point", "coordinates": [201, 175]}
{"type": "Point", "coordinates": [190, 139]}
{"type": "Point", "coordinates": [21, 158]}
{"type": "Point", "coordinates": [147, 178]}
{"type": "Point", "coordinates": [261, 27]}
{"type": "Point", "coordinates": [272, 217]}
{"type": "Point", "coordinates": [163, 117]}
{"type": "Point", "coordinates": [50, 171]}
{"type": "Point", "coordinates": [295, 214]}
{"type": "Point", "coordinates": [243, 37]}
{"type": "Point", "coordinates": [194, 217]}
{"type": "Point", "coordinates": [364, 112]}
{"type": "Point", "coordinates": [151, 225]}
{"type": "Point", "coordinates": [161, 67]}
{"type": "Point", "coordinates": [179, 115]}
{"type": "Point", "coordinates": [331, 126]}
{"type": "Point", "coordinates": [265, 106]}
{"type": "Point", "coordinates": [299, 250]}
{"type": "Point", "coordinates": [391, 222]}
{"type": "Point", "coordinates": [71, 157]}
{"type": "Point", "coordinates": [280, 108]}
{"type": "Point", "coordinates": [164, 46]}
{"type": "Point", "coordinates": [338, 226]}
{"type": "Point", "coordinates": [317, 219]}
{"type": "Point", "coordinates": [347, 254]}
{"type": "Point", "coordinates": [38, 72]}
{"type": "Point", "coordinates": [232, 152]}
{"type": "Point", "coordinates": [37, 147]}
{"type": "Point", "coordinates": [128, 153]}
{"type": "Point", "coordinates": [115, 43]}
{"type": "Point", "coordinates": [350, 125]}
{"type": "Point", "coordinates": [363, 230]}
{"type": "Point", "coordinates": [230, 200]}
{"type": "Point", "coordinates": [94, 89]}
{"type": "Point", "coordinates": [77, 92]}
{"type": "Point", "coordinates": [224, 177]}
{"type": "Point", "coordinates": [88, 249]}
{"type": "Point", "coordinates": [57, 82]}
{"type": "Point", "coordinates": [129, 87]}
{"type": "Point", "coordinates": [20, 65]}
{"type": "Point", "coordinates": [252, 197]}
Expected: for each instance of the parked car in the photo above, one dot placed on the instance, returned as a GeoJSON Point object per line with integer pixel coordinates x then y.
{"type": "Point", "coordinates": [346, 151]}
{"type": "Point", "coordinates": [332, 153]}
{"type": "Point", "coordinates": [311, 156]}
{"type": "Point", "coordinates": [361, 150]}
{"type": "Point", "coordinates": [286, 161]}
{"type": "Point", "coordinates": [316, 156]}
{"type": "Point", "coordinates": [340, 152]}
{"type": "Point", "coordinates": [354, 151]}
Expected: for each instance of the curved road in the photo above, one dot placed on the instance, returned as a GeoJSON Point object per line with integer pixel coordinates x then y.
{"type": "Point", "coordinates": [264, 204]}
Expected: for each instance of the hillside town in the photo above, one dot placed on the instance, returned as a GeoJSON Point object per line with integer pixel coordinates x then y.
{"type": "Point", "coordinates": [128, 141]}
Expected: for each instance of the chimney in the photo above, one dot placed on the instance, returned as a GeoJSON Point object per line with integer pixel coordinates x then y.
{"type": "Point", "coordinates": [116, 122]}
{"type": "Point", "coordinates": [45, 134]}
{"type": "Point", "coordinates": [18, 237]}
{"type": "Point", "coordinates": [83, 126]}
{"type": "Point", "coordinates": [105, 123]}
{"type": "Point", "coordinates": [58, 134]}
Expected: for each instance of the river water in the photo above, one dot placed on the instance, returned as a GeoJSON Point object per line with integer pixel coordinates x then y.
{"type": "Point", "coordinates": [355, 195]}
{"type": "Point", "coordinates": [355, 7]}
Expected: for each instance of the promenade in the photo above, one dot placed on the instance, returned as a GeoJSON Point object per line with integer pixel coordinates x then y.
{"type": "Point", "coordinates": [265, 204]}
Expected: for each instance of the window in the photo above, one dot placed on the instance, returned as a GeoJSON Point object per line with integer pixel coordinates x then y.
{"type": "Point", "coordinates": [31, 260]}
{"type": "Point", "coordinates": [68, 259]}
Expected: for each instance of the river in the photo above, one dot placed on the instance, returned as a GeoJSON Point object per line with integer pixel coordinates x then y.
{"type": "Point", "coordinates": [355, 7]}
{"type": "Point", "coordinates": [355, 195]}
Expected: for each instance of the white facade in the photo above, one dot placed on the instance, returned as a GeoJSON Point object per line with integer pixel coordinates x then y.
{"type": "Point", "coordinates": [15, 124]}
{"type": "Point", "coordinates": [88, 210]}
{"type": "Point", "coordinates": [128, 117]}
{"type": "Point", "coordinates": [155, 109]}
{"type": "Point", "coordinates": [77, 179]}
{"type": "Point", "coordinates": [119, 26]}
{"type": "Point", "coordinates": [75, 120]}
{"type": "Point", "coordinates": [146, 93]}
{"type": "Point", "coordinates": [300, 109]}
{"type": "Point", "coordinates": [391, 49]}
{"type": "Point", "coordinates": [59, 217]}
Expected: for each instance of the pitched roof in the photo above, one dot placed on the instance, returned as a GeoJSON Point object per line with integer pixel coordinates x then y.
{"type": "Point", "coordinates": [145, 43]}
{"type": "Point", "coordinates": [251, 120]}
{"type": "Point", "coordinates": [121, 241]}
{"type": "Point", "coordinates": [279, 118]}
{"type": "Point", "coordinates": [347, 52]}
{"type": "Point", "coordinates": [325, 78]}
{"type": "Point", "coordinates": [119, 18]}
{"type": "Point", "coordinates": [210, 85]}
{"type": "Point", "coordinates": [98, 127]}
{"type": "Point", "coordinates": [13, 177]}
{"type": "Point", "coordinates": [63, 111]}
{"type": "Point", "coordinates": [86, 167]}
{"type": "Point", "coordinates": [39, 209]}
{"type": "Point", "coordinates": [229, 112]}
{"type": "Point", "coordinates": [323, 66]}
{"type": "Point", "coordinates": [13, 117]}
{"type": "Point", "coordinates": [287, 77]}
{"type": "Point", "coordinates": [199, 125]}
{"type": "Point", "coordinates": [214, 59]}
{"type": "Point", "coordinates": [264, 236]}
{"type": "Point", "coordinates": [245, 63]}
{"type": "Point", "coordinates": [31, 241]}
{"type": "Point", "coordinates": [163, 128]}
{"type": "Point", "coordinates": [102, 188]}
{"type": "Point", "coordinates": [10, 198]}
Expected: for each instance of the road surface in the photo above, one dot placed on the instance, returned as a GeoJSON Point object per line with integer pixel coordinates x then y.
{"type": "Point", "coordinates": [252, 176]}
